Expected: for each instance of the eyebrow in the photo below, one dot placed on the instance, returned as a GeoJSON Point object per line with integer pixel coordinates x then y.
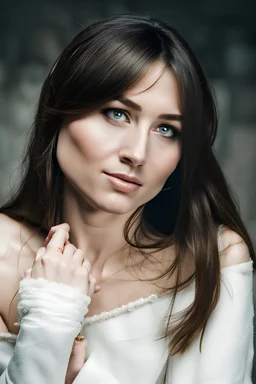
{"type": "Point", "coordinates": [137, 107]}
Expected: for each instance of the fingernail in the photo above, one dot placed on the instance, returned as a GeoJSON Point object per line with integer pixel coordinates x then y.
{"type": "Point", "coordinates": [98, 287]}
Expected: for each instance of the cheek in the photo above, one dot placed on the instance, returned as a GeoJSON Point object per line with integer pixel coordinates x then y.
{"type": "Point", "coordinates": [79, 142]}
{"type": "Point", "coordinates": [166, 163]}
{"type": "Point", "coordinates": [85, 140]}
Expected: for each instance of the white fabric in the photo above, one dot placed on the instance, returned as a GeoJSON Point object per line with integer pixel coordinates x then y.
{"type": "Point", "coordinates": [124, 348]}
{"type": "Point", "coordinates": [227, 349]}
{"type": "Point", "coordinates": [50, 317]}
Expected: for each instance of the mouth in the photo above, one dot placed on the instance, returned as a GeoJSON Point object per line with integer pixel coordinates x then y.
{"type": "Point", "coordinates": [122, 185]}
{"type": "Point", "coordinates": [126, 178]}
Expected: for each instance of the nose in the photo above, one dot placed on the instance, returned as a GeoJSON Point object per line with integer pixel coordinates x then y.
{"type": "Point", "coordinates": [135, 148]}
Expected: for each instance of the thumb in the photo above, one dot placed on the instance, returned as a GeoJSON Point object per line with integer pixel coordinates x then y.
{"type": "Point", "coordinates": [78, 354]}
{"type": "Point", "coordinates": [76, 360]}
{"type": "Point", "coordinates": [28, 273]}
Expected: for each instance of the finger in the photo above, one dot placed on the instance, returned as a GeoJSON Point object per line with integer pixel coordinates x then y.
{"type": "Point", "coordinates": [86, 264]}
{"type": "Point", "coordinates": [64, 226]}
{"type": "Point", "coordinates": [28, 273]}
{"type": "Point", "coordinates": [40, 252]}
{"type": "Point", "coordinates": [78, 355]}
{"type": "Point", "coordinates": [58, 240]}
{"type": "Point", "coordinates": [78, 257]}
{"type": "Point", "coordinates": [92, 285]}
{"type": "Point", "coordinates": [97, 288]}
{"type": "Point", "coordinates": [68, 252]}
{"type": "Point", "coordinates": [55, 228]}
{"type": "Point", "coordinates": [51, 233]}
{"type": "Point", "coordinates": [91, 279]}
{"type": "Point", "coordinates": [76, 360]}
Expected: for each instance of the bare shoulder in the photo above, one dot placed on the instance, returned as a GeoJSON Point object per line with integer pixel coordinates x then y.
{"type": "Point", "coordinates": [233, 249]}
{"type": "Point", "coordinates": [14, 235]}
{"type": "Point", "coordinates": [18, 245]}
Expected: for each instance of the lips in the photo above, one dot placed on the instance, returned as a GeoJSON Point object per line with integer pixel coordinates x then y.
{"type": "Point", "coordinates": [121, 185]}
{"type": "Point", "coordinates": [125, 177]}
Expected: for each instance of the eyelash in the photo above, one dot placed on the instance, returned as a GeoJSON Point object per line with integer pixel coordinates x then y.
{"type": "Point", "coordinates": [176, 132]}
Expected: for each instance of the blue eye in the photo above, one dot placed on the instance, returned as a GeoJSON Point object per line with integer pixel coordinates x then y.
{"type": "Point", "coordinates": [115, 114]}
{"type": "Point", "coordinates": [169, 131]}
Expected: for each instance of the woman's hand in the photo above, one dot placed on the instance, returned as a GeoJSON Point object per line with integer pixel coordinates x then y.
{"type": "Point", "coordinates": [76, 361]}
{"type": "Point", "coordinates": [62, 262]}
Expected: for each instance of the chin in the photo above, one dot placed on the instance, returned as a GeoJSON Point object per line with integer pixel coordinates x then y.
{"type": "Point", "coordinates": [116, 208]}
{"type": "Point", "coordinates": [114, 204]}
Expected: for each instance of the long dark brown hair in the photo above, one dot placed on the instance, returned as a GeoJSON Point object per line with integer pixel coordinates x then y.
{"type": "Point", "coordinates": [101, 63]}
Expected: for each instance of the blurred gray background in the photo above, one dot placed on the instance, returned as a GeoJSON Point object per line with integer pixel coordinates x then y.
{"type": "Point", "coordinates": [221, 32]}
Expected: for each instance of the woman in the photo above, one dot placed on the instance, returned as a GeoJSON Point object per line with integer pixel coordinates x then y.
{"type": "Point", "coordinates": [120, 173]}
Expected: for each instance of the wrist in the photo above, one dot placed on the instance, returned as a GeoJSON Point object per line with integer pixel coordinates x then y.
{"type": "Point", "coordinates": [44, 299]}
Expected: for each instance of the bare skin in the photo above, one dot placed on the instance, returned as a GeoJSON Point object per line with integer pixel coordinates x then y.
{"type": "Point", "coordinates": [233, 251]}
{"type": "Point", "coordinates": [131, 142]}
{"type": "Point", "coordinates": [117, 138]}
{"type": "Point", "coordinates": [122, 288]}
{"type": "Point", "coordinates": [57, 260]}
{"type": "Point", "coordinates": [41, 258]}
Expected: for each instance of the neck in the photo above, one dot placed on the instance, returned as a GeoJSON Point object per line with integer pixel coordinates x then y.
{"type": "Point", "coordinates": [99, 234]}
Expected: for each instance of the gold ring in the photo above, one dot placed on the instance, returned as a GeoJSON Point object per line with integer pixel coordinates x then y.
{"type": "Point", "coordinates": [80, 337]}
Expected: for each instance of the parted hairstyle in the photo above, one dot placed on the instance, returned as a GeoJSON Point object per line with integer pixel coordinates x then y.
{"type": "Point", "coordinates": [100, 64]}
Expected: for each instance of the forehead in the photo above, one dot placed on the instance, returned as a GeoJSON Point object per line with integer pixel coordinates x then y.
{"type": "Point", "coordinates": [158, 86]}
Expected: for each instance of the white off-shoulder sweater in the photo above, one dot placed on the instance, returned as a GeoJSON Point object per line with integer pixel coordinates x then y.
{"type": "Point", "coordinates": [124, 345]}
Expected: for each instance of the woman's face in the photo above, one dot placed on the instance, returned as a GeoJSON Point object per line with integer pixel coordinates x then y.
{"type": "Point", "coordinates": [137, 135]}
